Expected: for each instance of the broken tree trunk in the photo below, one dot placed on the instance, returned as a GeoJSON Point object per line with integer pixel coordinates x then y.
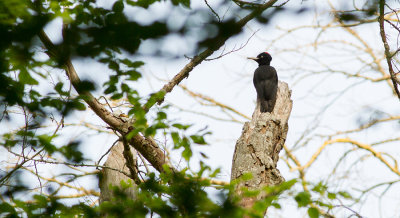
{"type": "Point", "coordinates": [110, 176]}
{"type": "Point", "coordinates": [257, 149]}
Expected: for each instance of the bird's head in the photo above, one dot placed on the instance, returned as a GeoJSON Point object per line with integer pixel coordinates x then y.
{"type": "Point", "coordinates": [262, 59]}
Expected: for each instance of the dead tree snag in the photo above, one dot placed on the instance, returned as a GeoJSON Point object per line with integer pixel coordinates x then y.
{"type": "Point", "coordinates": [257, 149]}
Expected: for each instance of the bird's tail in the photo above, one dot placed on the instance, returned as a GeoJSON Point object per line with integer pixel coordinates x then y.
{"type": "Point", "coordinates": [263, 106]}
{"type": "Point", "coordinates": [266, 106]}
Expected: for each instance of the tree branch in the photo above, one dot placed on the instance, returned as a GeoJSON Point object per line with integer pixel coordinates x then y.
{"type": "Point", "coordinates": [381, 21]}
{"type": "Point", "coordinates": [203, 55]}
{"type": "Point", "coordinates": [131, 162]}
{"type": "Point", "coordinates": [213, 102]}
{"type": "Point", "coordinates": [146, 146]}
{"type": "Point", "coordinates": [212, 10]}
{"type": "Point", "coordinates": [394, 168]}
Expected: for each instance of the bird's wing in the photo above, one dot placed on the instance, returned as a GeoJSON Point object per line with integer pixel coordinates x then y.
{"type": "Point", "coordinates": [269, 89]}
{"type": "Point", "coordinates": [265, 82]}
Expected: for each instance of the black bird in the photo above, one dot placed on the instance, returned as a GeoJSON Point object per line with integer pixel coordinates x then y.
{"type": "Point", "coordinates": [266, 82]}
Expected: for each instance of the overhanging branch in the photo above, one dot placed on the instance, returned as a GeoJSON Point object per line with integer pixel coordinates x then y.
{"type": "Point", "coordinates": [146, 146]}
{"type": "Point", "coordinates": [202, 56]}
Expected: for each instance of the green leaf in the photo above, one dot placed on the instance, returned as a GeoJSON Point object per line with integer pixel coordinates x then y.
{"type": "Point", "coordinates": [175, 138]}
{"type": "Point", "coordinates": [203, 168]}
{"type": "Point", "coordinates": [161, 115]}
{"type": "Point", "coordinates": [26, 78]}
{"type": "Point", "coordinates": [151, 131]}
{"type": "Point", "coordinates": [125, 184]}
{"type": "Point", "coordinates": [187, 153]}
{"type": "Point", "coordinates": [140, 115]}
{"type": "Point", "coordinates": [5, 207]}
{"type": "Point", "coordinates": [45, 141]}
{"type": "Point", "coordinates": [246, 176]}
{"type": "Point", "coordinates": [20, 204]}
{"type": "Point", "coordinates": [287, 184]}
{"type": "Point", "coordinates": [41, 200]}
{"type": "Point", "coordinates": [320, 203]}
{"type": "Point", "coordinates": [160, 125]}
{"type": "Point", "coordinates": [331, 195]}
{"type": "Point", "coordinates": [185, 3]}
{"type": "Point", "coordinates": [303, 199]}
{"type": "Point", "coordinates": [250, 193]}
{"type": "Point", "coordinates": [132, 64]}
{"type": "Point", "coordinates": [133, 100]}
{"type": "Point", "coordinates": [84, 86]}
{"type": "Point", "coordinates": [71, 152]}
{"type": "Point", "coordinates": [34, 94]}
{"type": "Point", "coordinates": [154, 97]}
{"type": "Point", "coordinates": [118, 6]}
{"type": "Point", "coordinates": [320, 188]}
{"type": "Point", "coordinates": [203, 155]}
{"type": "Point", "coordinates": [276, 205]}
{"type": "Point", "coordinates": [181, 126]}
{"type": "Point", "coordinates": [110, 89]}
{"type": "Point", "coordinates": [125, 87]}
{"type": "Point", "coordinates": [313, 212]}
{"type": "Point", "coordinates": [79, 105]}
{"type": "Point", "coordinates": [215, 173]}
{"type": "Point", "coordinates": [113, 65]}
{"type": "Point", "coordinates": [117, 96]}
{"type": "Point", "coordinates": [133, 75]}
{"type": "Point", "coordinates": [59, 90]}
{"type": "Point", "coordinates": [345, 194]}
{"type": "Point", "coordinates": [198, 139]}
{"type": "Point", "coordinates": [131, 134]}
{"type": "Point", "coordinates": [141, 3]}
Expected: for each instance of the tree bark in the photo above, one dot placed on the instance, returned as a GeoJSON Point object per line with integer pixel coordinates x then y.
{"type": "Point", "coordinates": [257, 149]}
{"type": "Point", "coordinates": [111, 176]}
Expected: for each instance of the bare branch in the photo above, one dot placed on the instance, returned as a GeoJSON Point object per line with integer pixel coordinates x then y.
{"type": "Point", "coordinates": [386, 46]}
{"type": "Point", "coordinates": [214, 102]}
{"type": "Point", "coordinates": [232, 119]}
{"type": "Point", "coordinates": [366, 126]}
{"type": "Point", "coordinates": [367, 147]}
{"type": "Point", "coordinates": [203, 55]}
{"type": "Point", "coordinates": [212, 10]}
{"type": "Point", "coordinates": [66, 184]}
{"type": "Point", "coordinates": [233, 50]}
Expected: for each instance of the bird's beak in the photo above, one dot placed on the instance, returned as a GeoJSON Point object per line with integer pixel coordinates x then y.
{"type": "Point", "coordinates": [252, 58]}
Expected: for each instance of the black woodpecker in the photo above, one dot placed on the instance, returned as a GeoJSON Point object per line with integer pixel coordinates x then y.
{"type": "Point", "coordinates": [266, 82]}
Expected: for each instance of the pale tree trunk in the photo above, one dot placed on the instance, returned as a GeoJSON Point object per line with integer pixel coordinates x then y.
{"type": "Point", "coordinates": [111, 175]}
{"type": "Point", "coordinates": [257, 149]}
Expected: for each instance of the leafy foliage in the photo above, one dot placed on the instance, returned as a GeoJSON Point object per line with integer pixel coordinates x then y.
{"type": "Point", "coordinates": [111, 37]}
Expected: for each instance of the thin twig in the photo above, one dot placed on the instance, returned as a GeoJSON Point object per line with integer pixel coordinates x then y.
{"type": "Point", "coordinates": [108, 151]}
{"type": "Point", "coordinates": [233, 50]}
{"type": "Point", "coordinates": [106, 102]}
{"type": "Point", "coordinates": [214, 102]}
{"type": "Point", "coordinates": [184, 73]}
{"type": "Point", "coordinates": [212, 10]}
